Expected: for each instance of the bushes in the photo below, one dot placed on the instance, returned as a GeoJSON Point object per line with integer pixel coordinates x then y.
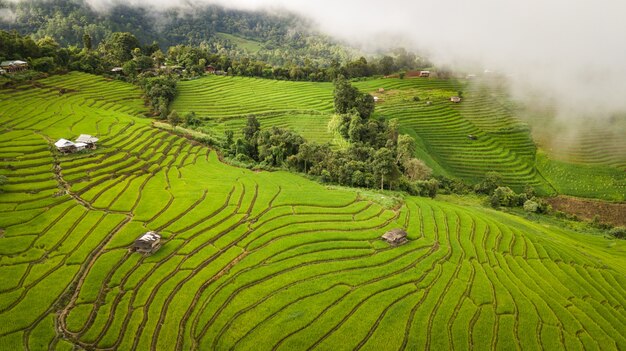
{"type": "Point", "coordinates": [618, 232]}
{"type": "Point", "coordinates": [531, 206]}
{"type": "Point", "coordinates": [506, 197]}
{"type": "Point", "coordinates": [425, 188]}
{"type": "Point", "coordinates": [44, 64]}
{"type": "Point", "coordinates": [491, 182]}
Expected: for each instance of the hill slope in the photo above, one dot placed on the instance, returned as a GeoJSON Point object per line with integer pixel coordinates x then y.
{"type": "Point", "coordinates": [263, 260]}
{"type": "Point", "coordinates": [503, 142]}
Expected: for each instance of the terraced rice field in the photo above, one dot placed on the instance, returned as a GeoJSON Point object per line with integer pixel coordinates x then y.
{"type": "Point", "coordinates": [311, 125]}
{"type": "Point", "coordinates": [264, 260]}
{"type": "Point", "coordinates": [219, 97]}
{"type": "Point", "coordinates": [503, 142]}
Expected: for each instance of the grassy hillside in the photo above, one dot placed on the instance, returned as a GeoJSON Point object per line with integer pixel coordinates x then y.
{"type": "Point", "coordinates": [503, 142]}
{"type": "Point", "coordinates": [263, 260]}
{"type": "Point", "coordinates": [251, 46]}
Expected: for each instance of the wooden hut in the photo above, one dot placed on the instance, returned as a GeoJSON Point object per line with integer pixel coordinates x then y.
{"type": "Point", "coordinates": [65, 146]}
{"type": "Point", "coordinates": [424, 74]}
{"type": "Point", "coordinates": [14, 66]}
{"type": "Point", "coordinates": [88, 140]}
{"type": "Point", "coordinates": [395, 237]}
{"type": "Point", "coordinates": [455, 99]}
{"type": "Point", "coordinates": [148, 243]}
{"type": "Point", "coordinates": [209, 69]}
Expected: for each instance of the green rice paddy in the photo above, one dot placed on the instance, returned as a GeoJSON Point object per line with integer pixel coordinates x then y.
{"type": "Point", "coordinates": [266, 261]}
{"type": "Point", "coordinates": [503, 141]}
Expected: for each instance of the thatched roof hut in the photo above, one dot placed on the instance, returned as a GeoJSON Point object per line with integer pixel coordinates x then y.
{"type": "Point", "coordinates": [395, 237]}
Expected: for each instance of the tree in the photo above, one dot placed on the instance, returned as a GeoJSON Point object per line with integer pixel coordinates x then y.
{"type": "Point", "coordinates": [158, 57]}
{"type": "Point", "coordinates": [387, 65]}
{"type": "Point", "coordinates": [416, 169]}
{"type": "Point", "coordinates": [87, 44]}
{"type": "Point", "coordinates": [47, 46]}
{"type": "Point", "coordinates": [159, 90]}
{"type": "Point", "coordinates": [492, 181]}
{"type": "Point", "coordinates": [345, 95]}
{"type": "Point", "coordinates": [384, 165]}
{"type": "Point", "coordinates": [405, 148]}
{"type": "Point", "coordinates": [531, 206]}
{"type": "Point", "coordinates": [119, 46]}
{"type": "Point", "coordinates": [130, 68]}
{"type": "Point", "coordinates": [503, 196]}
{"type": "Point", "coordinates": [251, 128]}
{"type": "Point", "coordinates": [229, 135]}
{"type": "Point", "coordinates": [192, 120]}
{"type": "Point", "coordinates": [43, 64]}
{"type": "Point", "coordinates": [173, 118]}
{"type": "Point", "coordinates": [364, 104]}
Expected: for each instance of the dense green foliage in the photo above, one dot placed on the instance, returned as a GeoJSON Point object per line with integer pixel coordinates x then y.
{"type": "Point", "coordinates": [264, 260]}
{"type": "Point", "coordinates": [279, 40]}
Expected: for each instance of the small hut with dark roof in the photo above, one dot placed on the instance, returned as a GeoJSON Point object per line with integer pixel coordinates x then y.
{"type": "Point", "coordinates": [395, 237]}
{"type": "Point", "coordinates": [148, 243]}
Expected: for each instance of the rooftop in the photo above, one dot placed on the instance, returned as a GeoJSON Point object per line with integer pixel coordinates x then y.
{"type": "Point", "coordinates": [86, 138]}
{"type": "Point", "coordinates": [63, 143]}
{"type": "Point", "coordinates": [150, 237]}
{"type": "Point", "coordinates": [13, 63]}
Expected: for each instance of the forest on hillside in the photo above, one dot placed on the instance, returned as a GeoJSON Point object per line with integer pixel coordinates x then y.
{"type": "Point", "coordinates": [278, 38]}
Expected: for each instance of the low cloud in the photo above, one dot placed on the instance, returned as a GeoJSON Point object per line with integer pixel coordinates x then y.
{"type": "Point", "coordinates": [6, 15]}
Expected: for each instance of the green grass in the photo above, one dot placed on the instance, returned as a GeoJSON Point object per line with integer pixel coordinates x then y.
{"type": "Point", "coordinates": [268, 260]}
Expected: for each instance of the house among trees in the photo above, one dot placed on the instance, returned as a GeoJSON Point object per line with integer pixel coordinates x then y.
{"type": "Point", "coordinates": [117, 70]}
{"type": "Point", "coordinates": [2, 71]}
{"type": "Point", "coordinates": [395, 237]}
{"type": "Point", "coordinates": [88, 140]}
{"type": "Point", "coordinates": [424, 74]}
{"type": "Point", "coordinates": [14, 66]}
{"type": "Point", "coordinates": [455, 99]}
{"type": "Point", "coordinates": [148, 243]}
{"type": "Point", "coordinates": [209, 69]}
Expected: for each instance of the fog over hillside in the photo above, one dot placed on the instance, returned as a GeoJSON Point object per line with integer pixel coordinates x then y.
{"type": "Point", "coordinates": [570, 53]}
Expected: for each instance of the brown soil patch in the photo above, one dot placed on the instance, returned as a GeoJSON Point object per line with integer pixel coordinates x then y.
{"type": "Point", "coordinates": [609, 212]}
